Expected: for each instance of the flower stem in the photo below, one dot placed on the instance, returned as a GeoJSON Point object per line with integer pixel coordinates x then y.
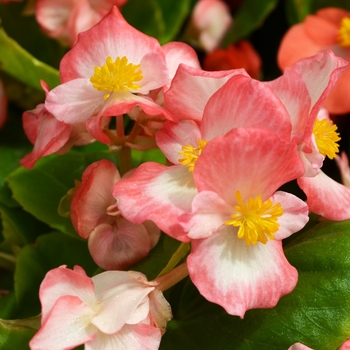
{"type": "Point", "coordinates": [171, 278]}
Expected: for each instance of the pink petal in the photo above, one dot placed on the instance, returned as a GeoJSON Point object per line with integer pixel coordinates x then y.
{"type": "Point", "coordinates": [326, 197]}
{"type": "Point", "coordinates": [261, 110]}
{"type": "Point", "coordinates": [343, 165]}
{"type": "Point", "coordinates": [299, 346]}
{"type": "Point", "coordinates": [67, 326]}
{"type": "Point", "coordinates": [135, 337]}
{"type": "Point", "coordinates": [295, 214]}
{"type": "Point", "coordinates": [240, 277]}
{"type": "Point", "coordinates": [173, 136]}
{"type": "Point", "coordinates": [160, 309]}
{"type": "Point", "coordinates": [119, 246]}
{"type": "Point", "coordinates": [209, 213]}
{"type": "Point", "coordinates": [158, 193]}
{"type": "Point", "coordinates": [252, 161]}
{"type": "Point", "coordinates": [180, 99]}
{"type": "Point", "coordinates": [93, 196]}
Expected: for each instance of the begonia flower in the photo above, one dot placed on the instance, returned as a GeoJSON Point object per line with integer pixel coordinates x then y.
{"type": "Point", "coordinates": [114, 242]}
{"type": "Point", "coordinates": [112, 310]}
{"type": "Point", "coordinates": [325, 30]}
{"type": "Point", "coordinates": [299, 346]}
{"type": "Point", "coordinates": [209, 23]}
{"type": "Point", "coordinates": [162, 193]}
{"type": "Point", "coordinates": [65, 19]}
{"type": "Point", "coordinates": [48, 135]}
{"type": "Point", "coordinates": [238, 220]}
{"type": "Point", "coordinates": [239, 55]}
{"type": "Point", "coordinates": [109, 71]}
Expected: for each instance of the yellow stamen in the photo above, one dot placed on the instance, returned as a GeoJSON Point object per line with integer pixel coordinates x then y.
{"type": "Point", "coordinates": [256, 220]}
{"type": "Point", "coordinates": [117, 75]}
{"type": "Point", "coordinates": [190, 154]}
{"type": "Point", "coordinates": [344, 32]}
{"type": "Point", "coordinates": [326, 137]}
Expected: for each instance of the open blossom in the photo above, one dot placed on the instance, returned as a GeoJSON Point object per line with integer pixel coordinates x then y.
{"type": "Point", "coordinates": [111, 311]}
{"type": "Point", "coordinates": [328, 29]}
{"type": "Point", "coordinates": [114, 242]}
{"type": "Point", "coordinates": [238, 220]}
{"type": "Point", "coordinates": [64, 20]}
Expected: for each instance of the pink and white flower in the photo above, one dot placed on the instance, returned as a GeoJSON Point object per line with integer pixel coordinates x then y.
{"type": "Point", "coordinates": [110, 311]}
{"type": "Point", "coordinates": [238, 220]}
{"type": "Point", "coordinates": [114, 242]}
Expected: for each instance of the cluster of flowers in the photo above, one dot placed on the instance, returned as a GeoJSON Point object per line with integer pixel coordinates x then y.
{"type": "Point", "coordinates": [231, 142]}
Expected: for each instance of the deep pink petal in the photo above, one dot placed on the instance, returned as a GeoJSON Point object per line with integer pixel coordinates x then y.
{"type": "Point", "coordinates": [295, 214]}
{"type": "Point", "coordinates": [240, 277]}
{"type": "Point", "coordinates": [252, 161]}
{"type": "Point", "coordinates": [158, 193]}
{"type": "Point", "coordinates": [326, 197]}
{"type": "Point", "coordinates": [181, 100]}
{"type": "Point", "coordinates": [261, 110]}
{"type": "Point", "coordinates": [62, 282]}
{"type": "Point", "coordinates": [67, 326]}
{"type": "Point", "coordinates": [135, 337]}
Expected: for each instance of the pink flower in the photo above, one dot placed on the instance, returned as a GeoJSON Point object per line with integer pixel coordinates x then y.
{"type": "Point", "coordinates": [114, 242]}
{"type": "Point", "coordinates": [211, 19]}
{"type": "Point", "coordinates": [65, 19]}
{"type": "Point", "coordinates": [102, 73]}
{"type": "Point", "coordinates": [326, 30]}
{"type": "Point", "coordinates": [238, 220]}
{"type": "Point", "coordinates": [109, 311]}
{"type": "Point", "coordinates": [299, 346]}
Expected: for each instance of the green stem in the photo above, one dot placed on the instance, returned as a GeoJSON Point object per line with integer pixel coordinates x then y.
{"type": "Point", "coordinates": [124, 155]}
{"type": "Point", "coordinates": [171, 278]}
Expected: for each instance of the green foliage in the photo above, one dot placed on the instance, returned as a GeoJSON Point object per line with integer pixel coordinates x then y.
{"type": "Point", "coordinates": [316, 313]}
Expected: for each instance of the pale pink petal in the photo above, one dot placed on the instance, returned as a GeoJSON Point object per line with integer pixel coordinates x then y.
{"type": "Point", "coordinates": [299, 346]}
{"type": "Point", "coordinates": [209, 213]}
{"type": "Point", "coordinates": [295, 214]}
{"type": "Point", "coordinates": [116, 291]}
{"type": "Point", "coordinates": [173, 136]}
{"type": "Point", "coordinates": [180, 99]}
{"type": "Point", "coordinates": [158, 193]}
{"type": "Point", "coordinates": [62, 282]}
{"type": "Point", "coordinates": [67, 326]}
{"type": "Point", "coordinates": [75, 101]}
{"type": "Point", "coordinates": [119, 246]}
{"type": "Point", "coordinates": [93, 196]}
{"type": "Point", "coordinates": [239, 277]}
{"type": "Point", "coordinates": [46, 133]}
{"type": "Point", "coordinates": [311, 158]}
{"type": "Point", "coordinates": [326, 197]}
{"type": "Point", "coordinates": [252, 161]}
{"type": "Point", "coordinates": [113, 37]}
{"type": "Point", "coordinates": [160, 309]}
{"type": "Point", "coordinates": [261, 110]}
{"type": "Point", "coordinates": [135, 337]}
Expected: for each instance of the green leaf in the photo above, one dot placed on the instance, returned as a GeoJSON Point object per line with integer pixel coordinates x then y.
{"type": "Point", "coordinates": [250, 16]}
{"type": "Point", "coordinates": [316, 313]}
{"type": "Point", "coordinates": [181, 252]}
{"type": "Point", "coordinates": [174, 13]}
{"type": "Point", "coordinates": [152, 155]}
{"type": "Point", "coordinates": [146, 16]}
{"type": "Point", "coordinates": [297, 10]}
{"type": "Point", "coordinates": [40, 190]}
{"type": "Point", "coordinates": [19, 63]}
{"type": "Point", "coordinates": [34, 261]}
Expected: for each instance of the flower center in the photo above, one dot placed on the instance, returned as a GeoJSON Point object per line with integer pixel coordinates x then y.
{"type": "Point", "coordinates": [117, 75]}
{"type": "Point", "coordinates": [326, 137]}
{"type": "Point", "coordinates": [344, 32]}
{"type": "Point", "coordinates": [256, 220]}
{"type": "Point", "coordinates": [190, 154]}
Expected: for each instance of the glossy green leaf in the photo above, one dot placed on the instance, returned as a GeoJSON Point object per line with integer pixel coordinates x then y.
{"type": "Point", "coordinates": [174, 13]}
{"type": "Point", "coordinates": [40, 190]}
{"type": "Point", "coordinates": [146, 16]}
{"type": "Point", "coordinates": [250, 16]}
{"type": "Point", "coordinates": [34, 261]}
{"type": "Point", "coordinates": [297, 10]}
{"type": "Point", "coordinates": [152, 155]}
{"type": "Point", "coordinates": [316, 313]}
{"type": "Point", "coordinates": [19, 63]}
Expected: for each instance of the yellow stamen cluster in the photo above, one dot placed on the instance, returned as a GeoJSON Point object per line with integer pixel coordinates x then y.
{"type": "Point", "coordinates": [117, 75]}
{"type": "Point", "coordinates": [326, 137]}
{"type": "Point", "coordinates": [256, 220]}
{"type": "Point", "coordinates": [344, 32]}
{"type": "Point", "coordinates": [190, 154]}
